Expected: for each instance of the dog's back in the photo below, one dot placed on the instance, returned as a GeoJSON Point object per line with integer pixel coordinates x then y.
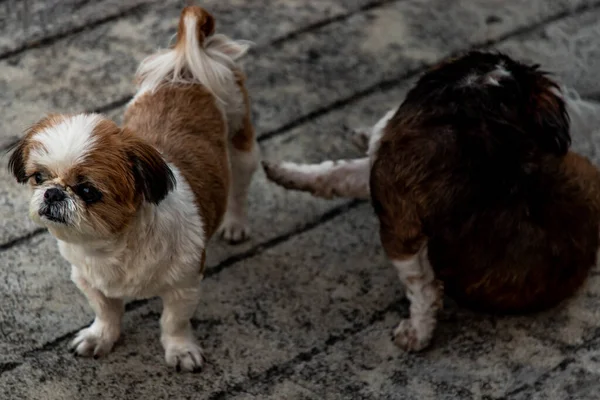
{"type": "Point", "coordinates": [191, 102]}
{"type": "Point", "coordinates": [480, 147]}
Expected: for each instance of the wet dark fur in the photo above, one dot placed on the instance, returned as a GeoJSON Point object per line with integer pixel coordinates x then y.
{"type": "Point", "coordinates": [482, 175]}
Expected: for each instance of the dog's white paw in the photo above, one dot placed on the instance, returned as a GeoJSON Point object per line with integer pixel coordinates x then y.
{"type": "Point", "coordinates": [183, 354]}
{"type": "Point", "coordinates": [409, 338]}
{"type": "Point", "coordinates": [97, 340]}
{"type": "Point", "coordinates": [234, 230]}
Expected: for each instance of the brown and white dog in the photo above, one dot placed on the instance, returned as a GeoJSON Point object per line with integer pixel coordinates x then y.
{"type": "Point", "coordinates": [133, 207]}
{"type": "Point", "coordinates": [476, 191]}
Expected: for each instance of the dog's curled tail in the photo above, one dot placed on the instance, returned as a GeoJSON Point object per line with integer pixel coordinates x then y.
{"type": "Point", "coordinates": [198, 56]}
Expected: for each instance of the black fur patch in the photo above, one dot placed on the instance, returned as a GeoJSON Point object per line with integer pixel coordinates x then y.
{"type": "Point", "coordinates": [152, 176]}
{"type": "Point", "coordinates": [16, 162]}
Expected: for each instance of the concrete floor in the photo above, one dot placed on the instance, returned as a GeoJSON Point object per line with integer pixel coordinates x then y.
{"type": "Point", "coordinates": [306, 308]}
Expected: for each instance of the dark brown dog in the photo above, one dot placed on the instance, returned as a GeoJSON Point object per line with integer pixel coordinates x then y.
{"type": "Point", "coordinates": [475, 187]}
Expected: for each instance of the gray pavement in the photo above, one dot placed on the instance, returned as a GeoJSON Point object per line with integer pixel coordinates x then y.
{"type": "Point", "coordinates": [306, 308]}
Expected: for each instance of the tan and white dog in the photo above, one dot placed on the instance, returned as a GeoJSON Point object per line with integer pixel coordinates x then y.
{"type": "Point", "coordinates": [133, 207]}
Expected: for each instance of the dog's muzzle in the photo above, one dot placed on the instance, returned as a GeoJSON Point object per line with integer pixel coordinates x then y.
{"type": "Point", "coordinates": [54, 207]}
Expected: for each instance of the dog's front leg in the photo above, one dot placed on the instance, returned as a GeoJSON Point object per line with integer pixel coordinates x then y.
{"type": "Point", "coordinates": [98, 339]}
{"type": "Point", "coordinates": [181, 349]}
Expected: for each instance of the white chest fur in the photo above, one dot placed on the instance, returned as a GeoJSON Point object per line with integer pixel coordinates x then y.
{"type": "Point", "coordinates": [162, 250]}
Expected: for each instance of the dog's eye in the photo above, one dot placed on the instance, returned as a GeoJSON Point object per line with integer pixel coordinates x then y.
{"type": "Point", "coordinates": [38, 178]}
{"type": "Point", "coordinates": [88, 193]}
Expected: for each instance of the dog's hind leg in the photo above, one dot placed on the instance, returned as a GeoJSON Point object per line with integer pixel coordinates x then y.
{"type": "Point", "coordinates": [341, 178]}
{"type": "Point", "coordinates": [244, 157]}
{"type": "Point", "coordinates": [405, 244]}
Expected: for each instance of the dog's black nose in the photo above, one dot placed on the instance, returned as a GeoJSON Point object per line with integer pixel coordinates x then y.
{"type": "Point", "coordinates": [54, 194]}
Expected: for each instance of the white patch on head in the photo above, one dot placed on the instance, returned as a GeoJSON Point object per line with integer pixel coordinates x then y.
{"type": "Point", "coordinates": [470, 80]}
{"type": "Point", "coordinates": [492, 81]}
{"type": "Point", "coordinates": [65, 144]}
{"type": "Point", "coordinates": [494, 77]}
{"type": "Point", "coordinates": [501, 71]}
{"type": "Point", "coordinates": [491, 78]}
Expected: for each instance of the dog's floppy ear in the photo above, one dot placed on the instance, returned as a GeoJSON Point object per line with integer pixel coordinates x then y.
{"type": "Point", "coordinates": [16, 162]}
{"type": "Point", "coordinates": [552, 123]}
{"type": "Point", "coordinates": [153, 177]}
{"type": "Point", "coordinates": [549, 115]}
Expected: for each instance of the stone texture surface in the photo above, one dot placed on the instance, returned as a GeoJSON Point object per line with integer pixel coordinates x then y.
{"type": "Point", "coordinates": [304, 310]}
{"type": "Point", "coordinates": [95, 67]}
{"type": "Point", "coordinates": [367, 366]}
{"type": "Point", "coordinates": [295, 77]}
{"type": "Point", "coordinates": [27, 23]}
{"type": "Point", "coordinates": [576, 377]}
{"type": "Point", "coordinates": [567, 48]}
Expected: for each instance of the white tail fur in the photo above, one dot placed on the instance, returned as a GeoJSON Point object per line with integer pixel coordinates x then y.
{"type": "Point", "coordinates": [205, 58]}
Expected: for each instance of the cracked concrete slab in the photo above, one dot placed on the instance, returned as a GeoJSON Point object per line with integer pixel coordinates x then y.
{"type": "Point", "coordinates": [316, 311]}
{"type": "Point", "coordinates": [568, 49]}
{"type": "Point", "coordinates": [96, 67]}
{"type": "Point", "coordinates": [26, 23]}
{"type": "Point", "coordinates": [305, 310]}
{"type": "Point", "coordinates": [475, 361]}
{"type": "Point", "coordinates": [30, 23]}
{"type": "Point", "coordinates": [577, 377]}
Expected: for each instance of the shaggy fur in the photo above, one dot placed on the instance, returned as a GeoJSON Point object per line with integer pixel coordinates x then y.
{"type": "Point", "coordinates": [477, 193]}
{"type": "Point", "coordinates": [133, 207]}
